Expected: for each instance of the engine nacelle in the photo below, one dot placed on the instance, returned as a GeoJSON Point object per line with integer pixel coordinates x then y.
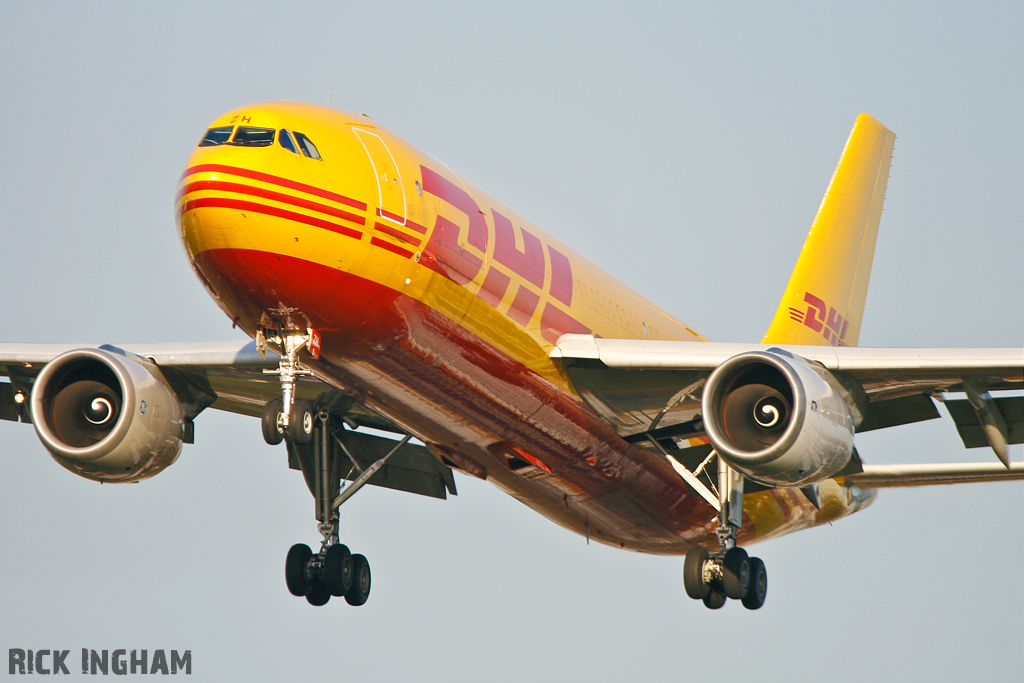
{"type": "Point", "coordinates": [107, 416]}
{"type": "Point", "coordinates": [778, 418]}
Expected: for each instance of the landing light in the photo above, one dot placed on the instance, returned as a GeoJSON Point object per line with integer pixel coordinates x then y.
{"type": "Point", "coordinates": [19, 397]}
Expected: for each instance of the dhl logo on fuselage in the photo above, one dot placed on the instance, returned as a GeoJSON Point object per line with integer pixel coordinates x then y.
{"type": "Point", "coordinates": [444, 252]}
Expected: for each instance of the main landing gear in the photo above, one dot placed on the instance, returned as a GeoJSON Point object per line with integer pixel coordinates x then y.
{"type": "Point", "coordinates": [729, 573]}
{"type": "Point", "coordinates": [334, 570]}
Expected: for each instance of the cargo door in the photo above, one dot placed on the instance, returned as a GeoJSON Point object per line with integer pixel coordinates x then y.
{"type": "Point", "coordinates": [391, 193]}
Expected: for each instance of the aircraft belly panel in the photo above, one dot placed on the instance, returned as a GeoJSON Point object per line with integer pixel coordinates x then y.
{"type": "Point", "coordinates": [450, 388]}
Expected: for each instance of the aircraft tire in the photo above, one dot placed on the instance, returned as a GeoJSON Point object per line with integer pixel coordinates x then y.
{"type": "Point", "coordinates": [272, 434]}
{"type": "Point", "coordinates": [359, 591]}
{"type": "Point", "coordinates": [295, 569]}
{"type": "Point", "coordinates": [715, 599]}
{"type": "Point", "coordinates": [735, 573]}
{"type": "Point", "coordinates": [693, 573]}
{"type": "Point", "coordinates": [758, 589]}
{"type": "Point", "coordinates": [300, 423]}
{"type": "Point", "coordinates": [338, 570]}
{"type": "Point", "coordinates": [318, 595]}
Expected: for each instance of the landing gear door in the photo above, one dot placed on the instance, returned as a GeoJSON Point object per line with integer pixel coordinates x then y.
{"type": "Point", "coordinates": [390, 191]}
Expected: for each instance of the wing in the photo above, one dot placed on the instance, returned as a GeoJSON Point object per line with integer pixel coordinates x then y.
{"type": "Point", "coordinates": [223, 375]}
{"type": "Point", "coordinates": [654, 388]}
{"type": "Point", "coordinates": [230, 376]}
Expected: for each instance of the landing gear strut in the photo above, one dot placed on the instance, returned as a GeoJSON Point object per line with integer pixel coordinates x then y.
{"type": "Point", "coordinates": [730, 572]}
{"type": "Point", "coordinates": [334, 570]}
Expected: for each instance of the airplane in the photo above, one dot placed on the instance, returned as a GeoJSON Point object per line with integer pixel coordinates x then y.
{"type": "Point", "coordinates": [406, 325]}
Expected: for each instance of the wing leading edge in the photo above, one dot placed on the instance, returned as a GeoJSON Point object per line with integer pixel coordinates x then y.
{"type": "Point", "coordinates": [230, 376]}
{"type": "Point", "coordinates": [648, 388]}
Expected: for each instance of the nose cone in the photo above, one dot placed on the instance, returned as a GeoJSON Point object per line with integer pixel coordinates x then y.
{"type": "Point", "coordinates": [270, 211]}
{"type": "Point", "coordinates": [238, 238]}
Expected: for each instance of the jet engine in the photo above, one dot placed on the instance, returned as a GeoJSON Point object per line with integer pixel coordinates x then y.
{"type": "Point", "coordinates": [107, 415]}
{"type": "Point", "coordinates": [778, 418]}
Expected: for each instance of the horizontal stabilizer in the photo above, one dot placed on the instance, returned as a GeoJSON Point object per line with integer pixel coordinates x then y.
{"type": "Point", "coordinates": [888, 476]}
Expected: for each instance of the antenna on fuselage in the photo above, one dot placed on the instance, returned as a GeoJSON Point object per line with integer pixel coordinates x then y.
{"type": "Point", "coordinates": [329, 100]}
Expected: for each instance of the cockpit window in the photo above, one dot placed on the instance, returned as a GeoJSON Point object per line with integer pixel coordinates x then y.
{"type": "Point", "coordinates": [216, 136]}
{"type": "Point", "coordinates": [308, 148]}
{"type": "Point", "coordinates": [250, 136]}
{"type": "Point", "coordinates": [285, 138]}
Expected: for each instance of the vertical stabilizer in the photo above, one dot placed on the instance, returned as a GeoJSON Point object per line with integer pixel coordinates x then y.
{"type": "Point", "coordinates": [824, 300]}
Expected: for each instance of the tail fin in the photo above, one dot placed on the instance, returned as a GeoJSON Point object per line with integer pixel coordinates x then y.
{"type": "Point", "coordinates": [824, 301]}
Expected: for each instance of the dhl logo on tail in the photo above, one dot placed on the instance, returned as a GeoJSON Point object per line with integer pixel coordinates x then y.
{"type": "Point", "coordinates": [824, 300]}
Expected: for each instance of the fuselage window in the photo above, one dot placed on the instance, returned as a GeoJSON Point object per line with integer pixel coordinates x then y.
{"type": "Point", "coordinates": [250, 136]}
{"type": "Point", "coordinates": [216, 136]}
{"type": "Point", "coordinates": [308, 148]}
{"type": "Point", "coordinates": [285, 138]}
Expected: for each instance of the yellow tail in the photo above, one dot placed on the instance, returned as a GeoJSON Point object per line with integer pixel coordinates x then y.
{"type": "Point", "coordinates": [824, 300]}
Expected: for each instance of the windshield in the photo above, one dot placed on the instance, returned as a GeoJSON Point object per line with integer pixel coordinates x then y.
{"type": "Point", "coordinates": [216, 136]}
{"type": "Point", "coordinates": [250, 136]}
{"type": "Point", "coordinates": [308, 148]}
{"type": "Point", "coordinates": [285, 138]}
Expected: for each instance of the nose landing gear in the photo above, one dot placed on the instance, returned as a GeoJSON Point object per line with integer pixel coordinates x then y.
{"type": "Point", "coordinates": [290, 417]}
{"type": "Point", "coordinates": [729, 573]}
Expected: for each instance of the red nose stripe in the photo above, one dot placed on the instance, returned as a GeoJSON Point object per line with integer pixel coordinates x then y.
{"type": "Point", "coordinates": [388, 230]}
{"type": "Point", "coordinates": [377, 242]}
{"type": "Point", "coordinates": [275, 180]}
{"type": "Point", "coordinates": [225, 203]}
{"type": "Point", "coordinates": [239, 188]}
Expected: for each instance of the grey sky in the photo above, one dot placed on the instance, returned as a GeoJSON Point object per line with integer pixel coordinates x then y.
{"type": "Point", "coordinates": [683, 149]}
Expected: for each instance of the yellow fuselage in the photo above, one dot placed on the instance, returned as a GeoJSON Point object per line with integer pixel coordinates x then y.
{"type": "Point", "coordinates": [438, 305]}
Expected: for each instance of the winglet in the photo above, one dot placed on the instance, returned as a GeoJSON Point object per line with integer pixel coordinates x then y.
{"type": "Point", "coordinates": [824, 301]}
